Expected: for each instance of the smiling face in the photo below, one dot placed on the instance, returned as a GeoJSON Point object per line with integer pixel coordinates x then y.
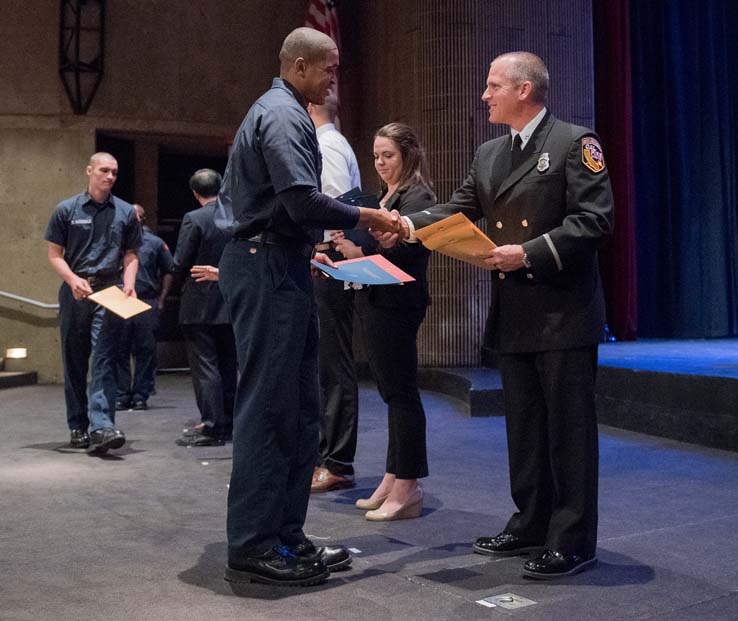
{"type": "Point", "coordinates": [502, 96]}
{"type": "Point", "coordinates": [387, 160]}
{"type": "Point", "coordinates": [102, 171]}
{"type": "Point", "coordinates": [320, 77]}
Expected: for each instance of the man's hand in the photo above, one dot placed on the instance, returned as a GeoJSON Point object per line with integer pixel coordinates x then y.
{"type": "Point", "coordinates": [506, 258]}
{"type": "Point", "coordinates": [79, 286]}
{"type": "Point", "coordinates": [202, 273]}
{"type": "Point", "coordinates": [381, 221]}
{"type": "Point", "coordinates": [320, 257]}
{"type": "Point", "coordinates": [392, 238]}
{"type": "Point", "coordinates": [130, 291]}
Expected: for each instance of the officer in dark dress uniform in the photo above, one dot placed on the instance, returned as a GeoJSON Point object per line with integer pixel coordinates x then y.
{"type": "Point", "coordinates": [546, 195]}
{"type": "Point", "coordinates": [93, 239]}
{"type": "Point", "coordinates": [138, 337]}
{"type": "Point", "coordinates": [265, 279]}
{"type": "Point", "coordinates": [203, 315]}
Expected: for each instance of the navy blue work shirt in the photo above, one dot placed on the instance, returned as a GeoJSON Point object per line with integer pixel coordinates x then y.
{"type": "Point", "coordinates": [94, 237]}
{"type": "Point", "coordinates": [276, 149]}
{"type": "Point", "coordinates": [154, 261]}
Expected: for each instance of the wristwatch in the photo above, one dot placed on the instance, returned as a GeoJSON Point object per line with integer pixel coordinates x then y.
{"type": "Point", "coordinates": [526, 261]}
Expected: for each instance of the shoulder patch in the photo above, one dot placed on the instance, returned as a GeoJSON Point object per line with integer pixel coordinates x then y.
{"type": "Point", "coordinates": [592, 156]}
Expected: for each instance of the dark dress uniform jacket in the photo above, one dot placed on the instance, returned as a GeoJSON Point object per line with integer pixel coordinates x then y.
{"type": "Point", "coordinates": [559, 210]}
{"type": "Point", "coordinates": [200, 242]}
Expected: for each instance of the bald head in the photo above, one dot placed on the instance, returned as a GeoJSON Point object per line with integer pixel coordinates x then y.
{"type": "Point", "coordinates": [526, 67]}
{"type": "Point", "coordinates": [306, 43]}
{"type": "Point", "coordinates": [140, 212]}
{"type": "Point", "coordinates": [101, 156]}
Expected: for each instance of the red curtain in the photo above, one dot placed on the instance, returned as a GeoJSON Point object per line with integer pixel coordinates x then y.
{"type": "Point", "coordinates": [614, 124]}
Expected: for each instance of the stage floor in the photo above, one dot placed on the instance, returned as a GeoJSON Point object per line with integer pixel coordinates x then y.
{"type": "Point", "coordinates": [708, 357]}
{"type": "Point", "coordinates": [141, 535]}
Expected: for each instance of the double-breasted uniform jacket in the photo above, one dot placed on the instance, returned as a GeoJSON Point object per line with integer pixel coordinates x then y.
{"type": "Point", "coordinates": [411, 258]}
{"type": "Point", "coordinates": [200, 242]}
{"type": "Point", "coordinates": [557, 203]}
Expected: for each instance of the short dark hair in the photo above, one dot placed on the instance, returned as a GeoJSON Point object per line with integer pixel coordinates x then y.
{"type": "Point", "coordinates": [206, 182]}
{"type": "Point", "coordinates": [414, 163]}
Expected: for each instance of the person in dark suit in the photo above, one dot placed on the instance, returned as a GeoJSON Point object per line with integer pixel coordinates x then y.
{"type": "Point", "coordinates": [203, 315]}
{"type": "Point", "coordinates": [390, 317]}
{"type": "Point", "coordinates": [545, 192]}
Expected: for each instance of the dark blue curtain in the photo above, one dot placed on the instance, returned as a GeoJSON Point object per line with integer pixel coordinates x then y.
{"type": "Point", "coordinates": [685, 109]}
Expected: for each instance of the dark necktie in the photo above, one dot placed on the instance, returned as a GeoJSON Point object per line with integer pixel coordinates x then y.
{"type": "Point", "coordinates": [517, 153]}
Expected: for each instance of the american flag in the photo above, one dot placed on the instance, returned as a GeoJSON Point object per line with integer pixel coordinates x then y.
{"type": "Point", "coordinates": [321, 15]}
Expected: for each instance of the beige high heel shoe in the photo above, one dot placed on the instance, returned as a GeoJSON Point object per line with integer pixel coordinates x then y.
{"type": "Point", "coordinates": [408, 511]}
{"type": "Point", "coordinates": [368, 503]}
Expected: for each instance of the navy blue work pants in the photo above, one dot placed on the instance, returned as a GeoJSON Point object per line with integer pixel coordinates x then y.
{"type": "Point", "coordinates": [87, 329]}
{"type": "Point", "coordinates": [138, 339]}
{"type": "Point", "coordinates": [269, 292]}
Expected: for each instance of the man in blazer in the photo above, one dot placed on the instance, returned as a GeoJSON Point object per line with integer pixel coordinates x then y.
{"type": "Point", "coordinates": [546, 195]}
{"type": "Point", "coordinates": [203, 315]}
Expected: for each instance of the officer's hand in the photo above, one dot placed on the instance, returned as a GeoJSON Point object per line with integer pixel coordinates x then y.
{"type": "Point", "coordinates": [202, 273]}
{"type": "Point", "coordinates": [506, 258]}
{"type": "Point", "coordinates": [80, 288]}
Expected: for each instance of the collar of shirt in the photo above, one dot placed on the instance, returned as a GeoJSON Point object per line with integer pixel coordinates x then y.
{"type": "Point", "coordinates": [97, 205]}
{"type": "Point", "coordinates": [528, 130]}
{"type": "Point", "coordinates": [327, 127]}
{"type": "Point", "coordinates": [295, 93]}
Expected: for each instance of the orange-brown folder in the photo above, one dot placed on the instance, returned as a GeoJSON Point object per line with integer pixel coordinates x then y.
{"type": "Point", "coordinates": [458, 237]}
{"type": "Point", "coordinates": [116, 301]}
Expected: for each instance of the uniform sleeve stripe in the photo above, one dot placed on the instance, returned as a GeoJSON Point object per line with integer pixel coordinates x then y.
{"type": "Point", "coordinates": [554, 252]}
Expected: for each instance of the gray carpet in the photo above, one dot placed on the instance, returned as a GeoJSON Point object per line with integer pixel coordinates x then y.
{"type": "Point", "coordinates": [140, 534]}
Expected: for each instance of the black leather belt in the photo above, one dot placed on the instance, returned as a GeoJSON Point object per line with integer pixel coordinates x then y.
{"type": "Point", "coordinates": [276, 239]}
{"type": "Point", "coordinates": [100, 280]}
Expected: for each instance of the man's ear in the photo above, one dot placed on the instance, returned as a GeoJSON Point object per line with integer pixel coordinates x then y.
{"type": "Point", "coordinates": [88, 170]}
{"type": "Point", "coordinates": [525, 90]}
{"type": "Point", "coordinates": [301, 66]}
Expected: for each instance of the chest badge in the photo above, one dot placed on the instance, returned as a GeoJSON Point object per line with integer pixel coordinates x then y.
{"type": "Point", "coordinates": [543, 163]}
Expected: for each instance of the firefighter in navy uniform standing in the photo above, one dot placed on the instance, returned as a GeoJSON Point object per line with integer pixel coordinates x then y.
{"type": "Point", "coordinates": [93, 239]}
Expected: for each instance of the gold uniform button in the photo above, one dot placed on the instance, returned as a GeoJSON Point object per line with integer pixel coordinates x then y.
{"type": "Point", "coordinates": [524, 223]}
{"type": "Point", "coordinates": [499, 224]}
{"type": "Point", "coordinates": [501, 275]}
{"type": "Point", "coordinates": [529, 276]}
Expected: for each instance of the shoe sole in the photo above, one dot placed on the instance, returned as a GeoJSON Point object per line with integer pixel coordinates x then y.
{"type": "Point", "coordinates": [579, 568]}
{"type": "Point", "coordinates": [240, 576]}
{"type": "Point", "coordinates": [332, 488]}
{"type": "Point", "coordinates": [515, 552]}
{"type": "Point", "coordinates": [102, 448]}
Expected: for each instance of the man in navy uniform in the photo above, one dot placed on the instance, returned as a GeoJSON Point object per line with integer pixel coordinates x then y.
{"type": "Point", "coordinates": [93, 239]}
{"type": "Point", "coordinates": [545, 192]}
{"type": "Point", "coordinates": [274, 171]}
{"type": "Point", "coordinates": [138, 337]}
{"type": "Point", "coordinates": [203, 316]}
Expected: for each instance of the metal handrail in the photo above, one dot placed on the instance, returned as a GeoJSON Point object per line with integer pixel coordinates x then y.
{"type": "Point", "coordinates": [20, 298]}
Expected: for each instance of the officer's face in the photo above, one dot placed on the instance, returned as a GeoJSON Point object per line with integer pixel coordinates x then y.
{"type": "Point", "coordinates": [102, 173]}
{"type": "Point", "coordinates": [320, 78]}
{"type": "Point", "coordinates": [387, 160]}
{"type": "Point", "coordinates": [502, 96]}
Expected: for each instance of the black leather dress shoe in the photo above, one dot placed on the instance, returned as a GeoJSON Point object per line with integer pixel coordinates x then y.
{"type": "Point", "coordinates": [103, 439]}
{"type": "Point", "coordinates": [504, 544]}
{"type": "Point", "coordinates": [336, 558]}
{"type": "Point", "coordinates": [122, 404]}
{"type": "Point", "coordinates": [79, 439]}
{"type": "Point", "coordinates": [552, 565]}
{"type": "Point", "coordinates": [279, 567]}
{"type": "Point", "coordinates": [199, 439]}
{"type": "Point", "coordinates": [139, 404]}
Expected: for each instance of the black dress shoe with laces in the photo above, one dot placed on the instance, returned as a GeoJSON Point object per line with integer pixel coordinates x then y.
{"type": "Point", "coordinates": [504, 544]}
{"type": "Point", "coordinates": [122, 404]}
{"type": "Point", "coordinates": [103, 439]}
{"type": "Point", "coordinates": [139, 405]}
{"type": "Point", "coordinates": [199, 438]}
{"type": "Point", "coordinates": [552, 565]}
{"type": "Point", "coordinates": [336, 558]}
{"type": "Point", "coordinates": [279, 567]}
{"type": "Point", "coordinates": [79, 439]}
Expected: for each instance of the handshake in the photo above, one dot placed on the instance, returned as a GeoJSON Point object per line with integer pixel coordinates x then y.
{"type": "Point", "coordinates": [388, 228]}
